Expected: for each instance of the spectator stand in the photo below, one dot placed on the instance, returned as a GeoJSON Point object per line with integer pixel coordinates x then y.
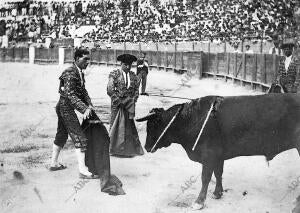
{"type": "Point", "coordinates": [212, 20]}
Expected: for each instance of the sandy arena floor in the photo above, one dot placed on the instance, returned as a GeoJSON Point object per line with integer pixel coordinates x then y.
{"type": "Point", "coordinates": [153, 182]}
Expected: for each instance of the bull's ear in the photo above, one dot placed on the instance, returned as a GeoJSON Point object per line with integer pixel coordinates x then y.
{"type": "Point", "coordinates": [217, 102]}
{"type": "Point", "coordinates": [150, 116]}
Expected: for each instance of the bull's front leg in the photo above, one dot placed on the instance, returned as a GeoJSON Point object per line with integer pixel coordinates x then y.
{"type": "Point", "coordinates": [218, 171]}
{"type": "Point", "coordinates": [207, 170]}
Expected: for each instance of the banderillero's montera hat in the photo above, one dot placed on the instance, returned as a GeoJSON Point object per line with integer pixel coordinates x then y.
{"type": "Point", "coordinates": [127, 58]}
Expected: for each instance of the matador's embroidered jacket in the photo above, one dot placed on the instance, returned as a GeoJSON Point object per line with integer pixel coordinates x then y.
{"type": "Point", "coordinates": [118, 91]}
{"type": "Point", "coordinates": [73, 95]}
{"type": "Point", "coordinates": [72, 87]}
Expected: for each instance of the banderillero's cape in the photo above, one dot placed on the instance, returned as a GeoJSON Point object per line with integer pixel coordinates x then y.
{"type": "Point", "coordinates": [97, 155]}
{"type": "Point", "coordinates": [123, 134]}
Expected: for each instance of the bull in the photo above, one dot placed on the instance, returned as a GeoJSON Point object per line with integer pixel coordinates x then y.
{"type": "Point", "coordinates": [237, 126]}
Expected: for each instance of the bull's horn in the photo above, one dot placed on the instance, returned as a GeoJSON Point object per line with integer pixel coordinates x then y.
{"type": "Point", "coordinates": [147, 117]}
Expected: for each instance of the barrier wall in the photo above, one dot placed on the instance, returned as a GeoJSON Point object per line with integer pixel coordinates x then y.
{"type": "Point", "coordinates": [14, 55]}
{"type": "Point", "coordinates": [256, 70]}
{"type": "Point", "coordinates": [245, 69]}
{"type": "Point", "coordinates": [46, 55]}
{"type": "Point", "coordinates": [253, 69]}
{"type": "Point", "coordinates": [69, 55]}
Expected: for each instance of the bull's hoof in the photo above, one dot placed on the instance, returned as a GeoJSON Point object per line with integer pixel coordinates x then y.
{"type": "Point", "coordinates": [197, 206]}
{"type": "Point", "coordinates": [217, 195]}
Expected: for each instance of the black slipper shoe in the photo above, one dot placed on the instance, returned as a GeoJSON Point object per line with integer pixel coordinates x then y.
{"type": "Point", "coordinates": [56, 168]}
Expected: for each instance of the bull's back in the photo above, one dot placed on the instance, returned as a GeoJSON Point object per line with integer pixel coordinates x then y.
{"type": "Point", "coordinates": [259, 125]}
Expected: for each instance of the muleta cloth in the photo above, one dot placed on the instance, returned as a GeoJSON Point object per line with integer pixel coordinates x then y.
{"type": "Point", "coordinates": [97, 155]}
{"type": "Point", "coordinates": [127, 58]}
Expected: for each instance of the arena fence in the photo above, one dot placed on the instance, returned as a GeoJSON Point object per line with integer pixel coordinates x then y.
{"type": "Point", "coordinates": [254, 70]}
{"type": "Point", "coordinates": [46, 55]}
{"type": "Point", "coordinates": [14, 55]}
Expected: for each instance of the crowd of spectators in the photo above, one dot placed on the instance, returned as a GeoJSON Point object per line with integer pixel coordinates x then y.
{"type": "Point", "coordinates": [118, 21]}
{"type": "Point", "coordinates": [253, 18]}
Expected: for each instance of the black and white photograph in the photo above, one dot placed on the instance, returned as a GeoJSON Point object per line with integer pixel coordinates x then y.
{"type": "Point", "coordinates": [150, 106]}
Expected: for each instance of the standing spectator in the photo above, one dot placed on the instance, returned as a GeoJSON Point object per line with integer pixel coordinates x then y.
{"type": "Point", "coordinates": [24, 10]}
{"type": "Point", "coordinates": [142, 72]}
{"type": "Point", "coordinates": [34, 9]}
{"type": "Point", "coordinates": [123, 89]}
{"type": "Point", "coordinates": [19, 9]}
{"type": "Point", "coordinates": [288, 75]}
{"type": "Point", "coordinates": [84, 7]}
{"type": "Point", "coordinates": [27, 7]}
{"type": "Point", "coordinates": [2, 11]}
{"type": "Point", "coordinates": [8, 10]}
{"type": "Point", "coordinates": [2, 27]}
{"type": "Point", "coordinates": [50, 8]}
{"type": "Point", "coordinates": [14, 12]}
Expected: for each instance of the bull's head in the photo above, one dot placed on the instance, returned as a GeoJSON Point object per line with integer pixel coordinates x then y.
{"type": "Point", "coordinates": [156, 123]}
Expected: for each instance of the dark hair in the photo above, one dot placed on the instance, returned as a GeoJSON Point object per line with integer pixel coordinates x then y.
{"type": "Point", "coordinates": [80, 52]}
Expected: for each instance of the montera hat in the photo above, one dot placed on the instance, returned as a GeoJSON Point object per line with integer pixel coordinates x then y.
{"type": "Point", "coordinates": [126, 58]}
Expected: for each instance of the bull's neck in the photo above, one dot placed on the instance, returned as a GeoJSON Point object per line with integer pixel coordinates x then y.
{"type": "Point", "coordinates": [185, 131]}
{"type": "Point", "coordinates": [182, 132]}
{"type": "Point", "coordinates": [180, 128]}
{"type": "Point", "coordinates": [179, 131]}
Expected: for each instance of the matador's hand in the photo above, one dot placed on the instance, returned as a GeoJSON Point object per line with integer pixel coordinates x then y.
{"type": "Point", "coordinates": [87, 113]}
